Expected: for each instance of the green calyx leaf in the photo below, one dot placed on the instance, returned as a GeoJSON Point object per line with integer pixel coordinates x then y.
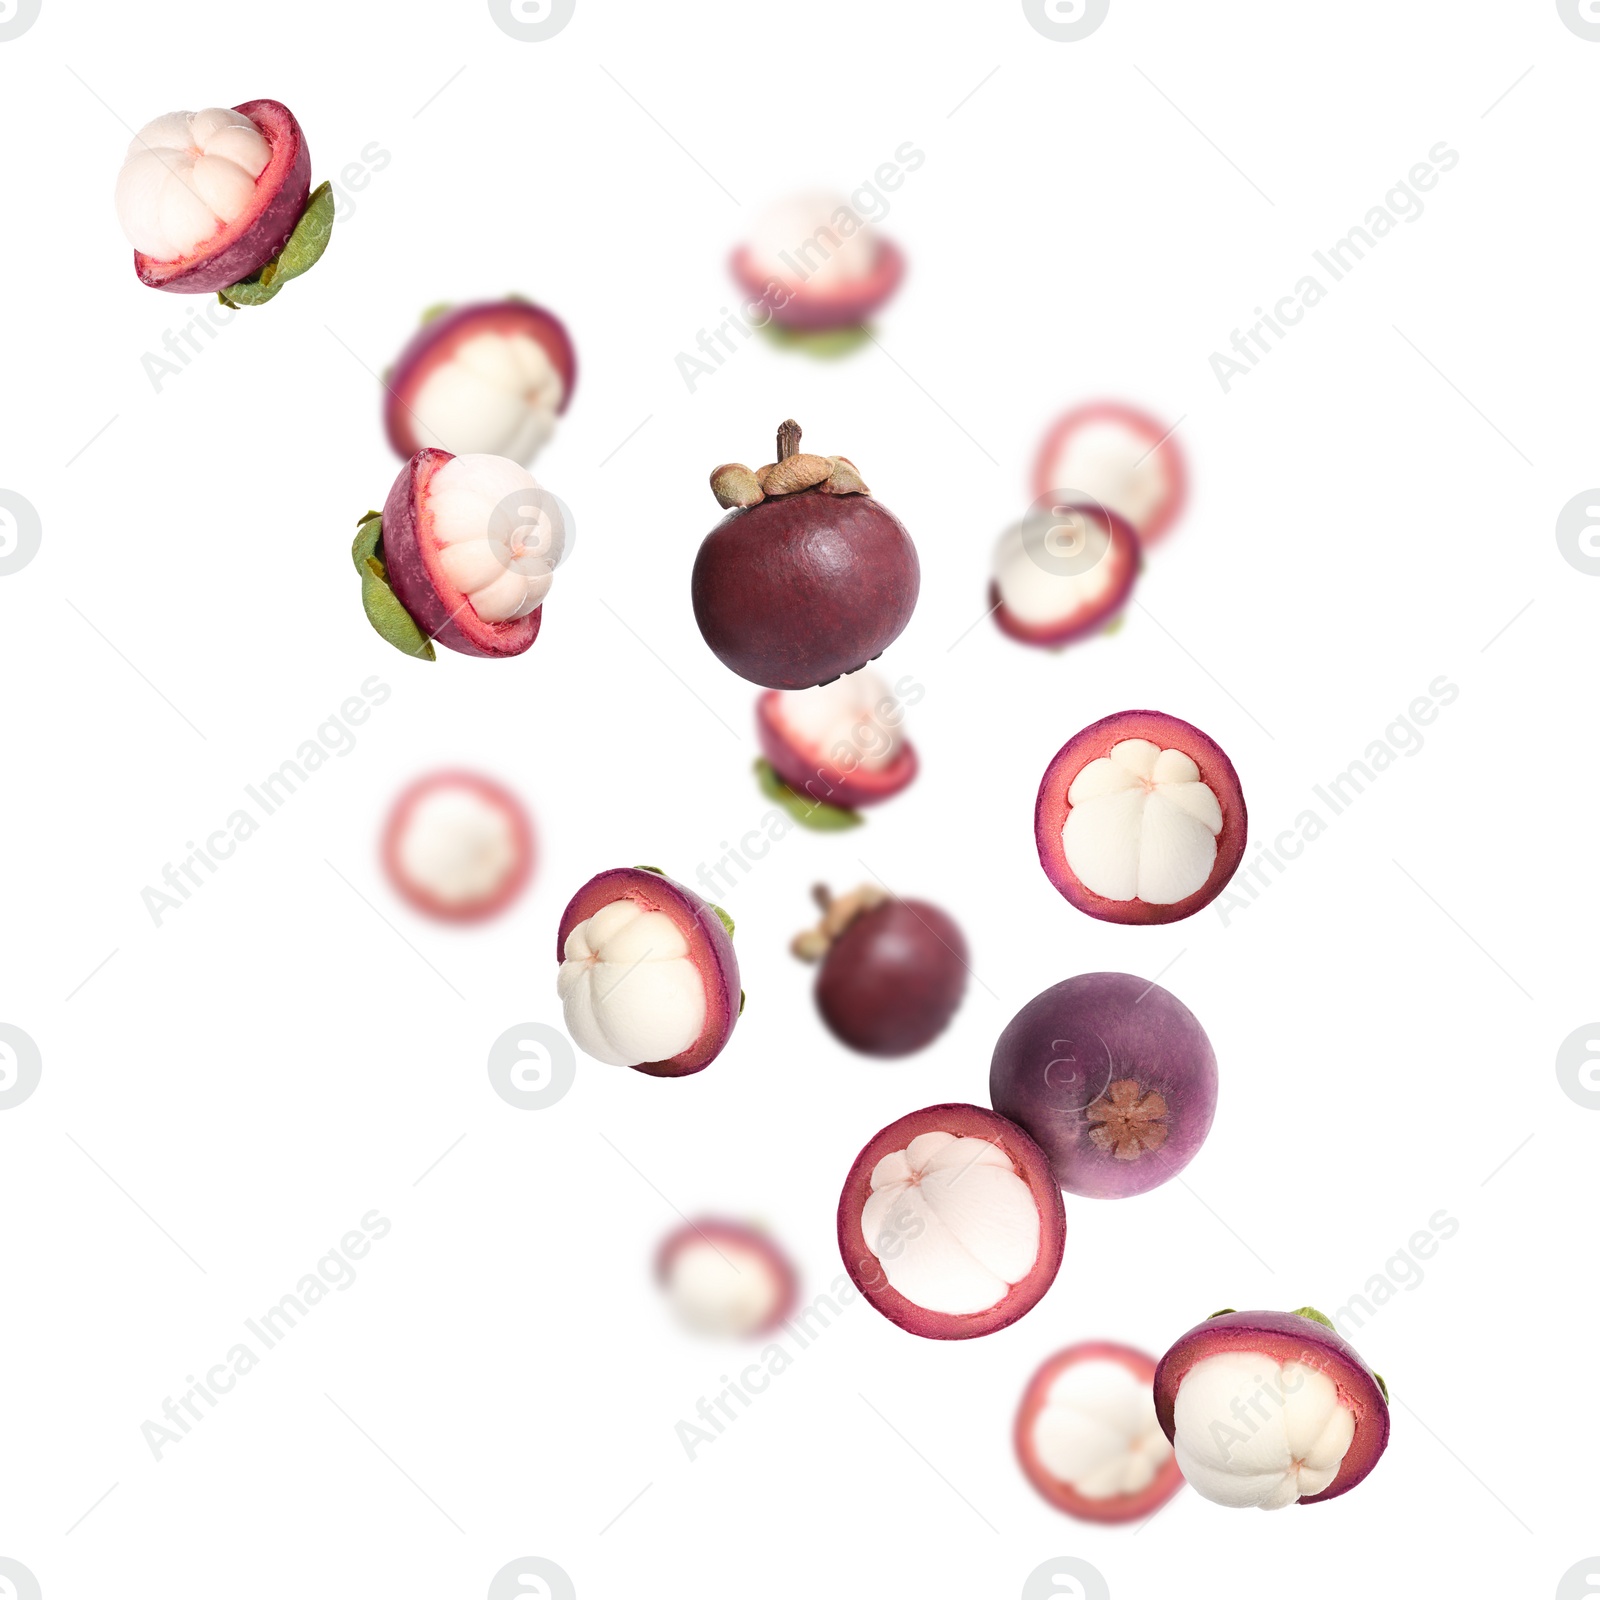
{"type": "Point", "coordinates": [433, 313]}
{"type": "Point", "coordinates": [390, 620]}
{"type": "Point", "coordinates": [741, 1013]}
{"type": "Point", "coordinates": [809, 813]}
{"type": "Point", "coordinates": [1226, 1311]}
{"type": "Point", "coordinates": [829, 346]}
{"type": "Point", "coordinates": [657, 870]}
{"type": "Point", "coordinates": [725, 920]}
{"type": "Point", "coordinates": [1383, 1388]}
{"type": "Point", "coordinates": [1116, 624]}
{"type": "Point", "coordinates": [1312, 1315]}
{"type": "Point", "coordinates": [299, 255]}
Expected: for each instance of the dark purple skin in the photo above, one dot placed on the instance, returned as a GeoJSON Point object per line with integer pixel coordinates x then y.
{"type": "Point", "coordinates": [1288, 1336]}
{"type": "Point", "coordinates": [447, 618]}
{"type": "Point", "coordinates": [710, 947]}
{"type": "Point", "coordinates": [892, 980]}
{"type": "Point", "coordinates": [1059, 1069]}
{"type": "Point", "coordinates": [802, 588]}
{"type": "Point", "coordinates": [267, 233]}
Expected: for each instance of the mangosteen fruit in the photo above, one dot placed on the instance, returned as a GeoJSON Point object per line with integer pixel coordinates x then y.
{"type": "Point", "coordinates": [458, 847]}
{"type": "Point", "coordinates": [892, 971]}
{"type": "Point", "coordinates": [1113, 1077]}
{"type": "Point", "coordinates": [462, 554]}
{"type": "Point", "coordinates": [221, 200]}
{"type": "Point", "coordinates": [1063, 572]}
{"type": "Point", "coordinates": [484, 379]}
{"type": "Point", "coordinates": [812, 265]}
{"type": "Point", "coordinates": [807, 577]}
{"type": "Point", "coordinates": [1140, 818]}
{"type": "Point", "coordinates": [1120, 457]}
{"type": "Point", "coordinates": [648, 976]}
{"type": "Point", "coordinates": [838, 745]}
{"type": "Point", "coordinates": [951, 1223]}
{"type": "Point", "coordinates": [726, 1279]}
{"type": "Point", "coordinates": [1271, 1409]}
{"type": "Point", "coordinates": [1088, 1437]}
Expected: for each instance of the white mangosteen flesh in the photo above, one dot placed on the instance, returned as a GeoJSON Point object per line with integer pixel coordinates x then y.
{"type": "Point", "coordinates": [844, 720]}
{"type": "Point", "coordinates": [185, 176]}
{"type": "Point", "coordinates": [458, 847]}
{"type": "Point", "coordinates": [1038, 597]}
{"type": "Point", "coordinates": [813, 239]}
{"type": "Point", "coordinates": [1098, 1432]}
{"type": "Point", "coordinates": [630, 989]}
{"type": "Point", "coordinates": [722, 1288]}
{"type": "Point", "coordinates": [497, 394]}
{"type": "Point", "coordinates": [1251, 1431]}
{"type": "Point", "coordinates": [497, 547]}
{"type": "Point", "coordinates": [1141, 825]}
{"type": "Point", "coordinates": [952, 1223]}
{"type": "Point", "coordinates": [1115, 463]}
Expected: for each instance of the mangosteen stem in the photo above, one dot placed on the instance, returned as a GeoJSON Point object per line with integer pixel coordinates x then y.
{"type": "Point", "coordinates": [788, 439]}
{"type": "Point", "coordinates": [823, 895]}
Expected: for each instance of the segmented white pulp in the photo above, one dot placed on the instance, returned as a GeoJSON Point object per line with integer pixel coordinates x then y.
{"type": "Point", "coordinates": [1097, 1431]}
{"type": "Point", "coordinates": [1253, 1431]}
{"type": "Point", "coordinates": [1142, 825]}
{"type": "Point", "coordinates": [629, 988]}
{"type": "Point", "coordinates": [497, 394]}
{"type": "Point", "coordinates": [499, 534]}
{"type": "Point", "coordinates": [951, 1223]}
{"type": "Point", "coordinates": [1049, 569]}
{"type": "Point", "coordinates": [1108, 458]}
{"type": "Point", "coordinates": [722, 1287]}
{"type": "Point", "coordinates": [186, 176]}
{"type": "Point", "coordinates": [853, 721]}
{"type": "Point", "coordinates": [456, 845]}
{"type": "Point", "coordinates": [815, 239]}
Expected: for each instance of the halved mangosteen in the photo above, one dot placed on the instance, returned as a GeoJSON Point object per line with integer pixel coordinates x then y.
{"type": "Point", "coordinates": [1123, 458]}
{"type": "Point", "coordinates": [838, 744]}
{"type": "Point", "coordinates": [951, 1222]}
{"type": "Point", "coordinates": [726, 1278]}
{"type": "Point", "coordinates": [458, 846]}
{"type": "Point", "coordinates": [648, 976]}
{"type": "Point", "coordinates": [484, 379]}
{"type": "Point", "coordinates": [221, 200]}
{"type": "Point", "coordinates": [1271, 1409]}
{"type": "Point", "coordinates": [1088, 1437]}
{"type": "Point", "coordinates": [1063, 572]}
{"type": "Point", "coordinates": [1140, 818]}
{"type": "Point", "coordinates": [462, 554]}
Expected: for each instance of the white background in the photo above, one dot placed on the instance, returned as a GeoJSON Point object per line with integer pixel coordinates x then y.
{"type": "Point", "coordinates": [228, 1094]}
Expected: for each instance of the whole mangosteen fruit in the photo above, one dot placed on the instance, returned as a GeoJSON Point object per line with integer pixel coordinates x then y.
{"type": "Point", "coordinates": [808, 576]}
{"type": "Point", "coordinates": [1113, 1077]}
{"type": "Point", "coordinates": [892, 971]}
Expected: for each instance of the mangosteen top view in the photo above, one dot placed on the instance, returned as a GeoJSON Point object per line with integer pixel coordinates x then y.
{"type": "Point", "coordinates": [807, 577]}
{"type": "Point", "coordinates": [221, 200]}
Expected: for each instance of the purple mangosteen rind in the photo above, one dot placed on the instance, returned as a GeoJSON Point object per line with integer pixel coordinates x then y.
{"type": "Point", "coordinates": [791, 767]}
{"type": "Point", "coordinates": [824, 312]}
{"type": "Point", "coordinates": [744, 1235]}
{"type": "Point", "coordinates": [441, 324]}
{"type": "Point", "coordinates": [1057, 1071]}
{"type": "Point", "coordinates": [1050, 809]}
{"type": "Point", "coordinates": [861, 1263]}
{"type": "Point", "coordinates": [300, 253]}
{"type": "Point", "coordinates": [1307, 1337]}
{"type": "Point", "coordinates": [1107, 616]}
{"type": "Point", "coordinates": [709, 931]}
